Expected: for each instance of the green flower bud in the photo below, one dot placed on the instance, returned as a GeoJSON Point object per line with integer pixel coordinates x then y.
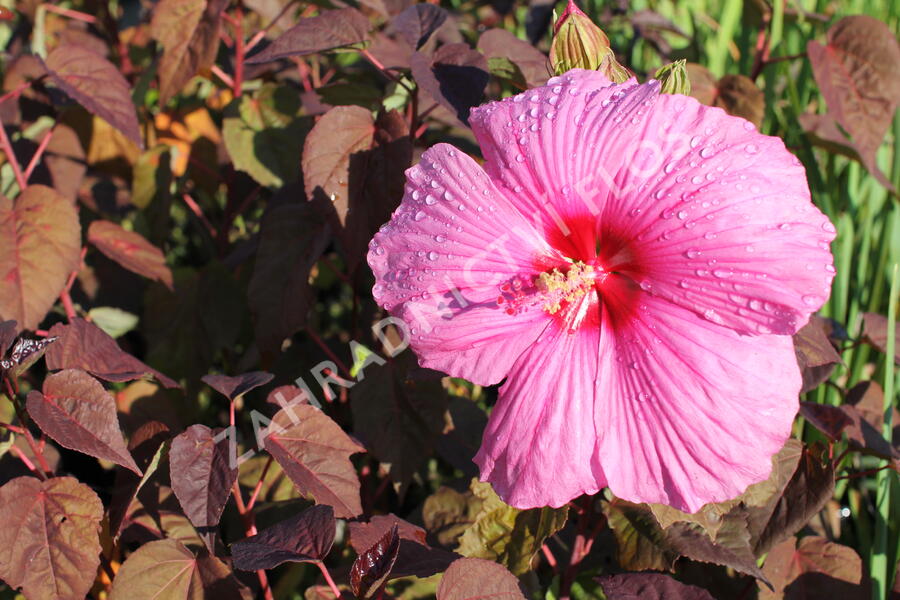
{"type": "Point", "coordinates": [673, 78]}
{"type": "Point", "coordinates": [577, 42]}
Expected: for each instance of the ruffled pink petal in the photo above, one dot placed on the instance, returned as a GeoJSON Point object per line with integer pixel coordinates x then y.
{"type": "Point", "coordinates": [538, 448]}
{"type": "Point", "coordinates": [689, 412]}
{"type": "Point", "coordinates": [440, 261]}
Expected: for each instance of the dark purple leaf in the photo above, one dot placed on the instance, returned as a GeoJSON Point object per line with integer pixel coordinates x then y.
{"type": "Point", "coordinates": [83, 345]}
{"type": "Point", "coordinates": [49, 537]}
{"type": "Point", "coordinates": [305, 537]}
{"type": "Point", "coordinates": [649, 586]}
{"type": "Point", "coordinates": [372, 568]}
{"type": "Point", "coordinates": [166, 569]}
{"type": "Point", "coordinates": [130, 250]}
{"type": "Point", "coordinates": [812, 569]}
{"type": "Point", "coordinates": [315, 453]}
{"type": "Point", "coordinates": [865, 408]}
{"type": "Point", "coordinates": [415, 556]}
{"type": "Point", "coordinates": [830, 420]}
{"type": "Point", "coordinates": [40, 245]}
{"type": "Point", "coordinates": [233, 387]}
{"type": "Point", "coordinates": [455, 77]}
{"type": "Point", "coordinates": [875, 332]}
{"type": "Point", "coordinates": [476, 579]}
{"type": "Point", "coordinates": [499, 43]}
{"type": "Point", "coordinates": [330, 30]}
{"type": "Point", "coordinates": [8, 331]}
{"type": "Point", "coordinates": [292, 238]}
{"type": "Point", "coordinates": [188, 31]}
{"type": "Point", "coordinates": [418, 22]}
{"type": "Point", "coordinates": [858, 72]}
{"type": "Point", "coordinates": [816, 355]}
{"type": "Point", "coordinates": [96, 84]}
{"type": "Point", "coordinates": [202, 477]}
{"type": "Point", "coordinates": [147, 446]}
{"type": "Point", "coordinates": [76, 411]}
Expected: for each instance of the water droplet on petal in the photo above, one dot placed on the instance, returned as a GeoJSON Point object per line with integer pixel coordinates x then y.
{"type": "Point", "coordinates": [827, 226]}
{"type": "Point", "coordinates": [432, 255]}
{"type": "Point", "coordinates": [430, 200]}
{"type": "Point", "coordinates": [751, 148]}
{"type": "Point", "coordinates": [692, 253]}
{"type": "Point", "coordinates": [419, 215]}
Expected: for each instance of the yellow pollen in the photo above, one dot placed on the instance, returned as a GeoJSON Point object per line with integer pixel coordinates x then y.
{"type": "Point", "coordinates": [558, 287]}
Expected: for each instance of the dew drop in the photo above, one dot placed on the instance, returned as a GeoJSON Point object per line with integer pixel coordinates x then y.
{"type": "Point", "coordinates": [682, 214]}
{"type": "Point", "coordinates": [695, 141]}
{"type": "Point", "coordinates": [692, 253]}
{"type": "Point", "coordinates": [430, 200]}
{"type": "Point", "coordinates": [827, 226]}
{"type": "Point", "coordinates": [669, 167]}
{"type": "Point", "coordinates": [706, 152]}
{"type": "Point", "coordinates": [440, 239]}
{"type": "Point", "coordinates": [432, 255]}
{"type": "Point", "coordinates": [723, 273]}
{"type": "Point", "coordinates": [419, 215]}
{"type": "Point", "coordinates": [751, 148]}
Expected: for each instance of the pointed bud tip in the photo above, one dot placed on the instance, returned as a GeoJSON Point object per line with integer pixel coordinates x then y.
{"type": "Point", "coordinates": [673, 78]}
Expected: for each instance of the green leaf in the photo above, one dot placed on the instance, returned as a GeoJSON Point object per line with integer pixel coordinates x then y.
{"type": "Point", "coordinates": [114, 321]}
{"type": "Point", "coordinates": [503, 68]}
{"type": "Point", "coordinates": [508, 535]}
{"type": "Point", "coordinates": [641, 541]}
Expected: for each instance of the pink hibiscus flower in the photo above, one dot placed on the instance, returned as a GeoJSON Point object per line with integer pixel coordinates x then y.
{"type": "Point", "coordinates": [633, 265]}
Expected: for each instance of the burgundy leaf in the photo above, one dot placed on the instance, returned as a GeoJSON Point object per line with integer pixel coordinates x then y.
{"type": "Point", "coordinates": [649, 586]}
{"type": "Point", "coordinates": [85, 346]}
{"type": "Point", "coordinates": [830, 420]}
{"type": "Point", "coordinates": [811, 569]}
{"type": "Point", "coordinates": [499, 43]}
{"type": "Point", "coordinates": [305, 537]}
{"type": "Point", "coordinates": [40, 245]}
{"type": "Point", "coordinates": [455, 77]}
{"type": "Point", "coordinates": [858, 72]}
{"type": "Point", "coordinates": [315, 453]}
{"type": "Point", "coordinates": [24, 354]}
{"type": "Point", "coordinates": [415, 556]}
{"type": "Point", "coordinates": [49, 537]}
{"type": "Point", "coordinates": [233, 387]}
{"type": "Point", "coordinates": [147, 446]}
{"type": "Point", "coordinates": [418, 22]}
{"type": "Point", "coordinates": [292, 238]}
{"type": "Point", "coordinates": [865, 408]}
{"type": "Point", "coordinates": [8, 331]}
{"type": "Point", "coordinates": [96, 84]}
{"type": "Point", "coordinates": [875, 332]}
{"type": "Point", "coordinates": [330, 30]}
{"type": "Point", "coordinates": [476, 579]}
{"type": "Point", "coordinates": [76, 411]}
{"type": "Point", "coordinates": [202, 477]}
{"type": "Point", "coordinates": [188, 31]}
{"type": "Point", "coordinates": [816, 355]}
{"type": "Point", "coordinates": [130, 250]}
{"type": "Point", "coordinates": [372, 568]}
{"type": "Point", "coordinates": [166, 569]}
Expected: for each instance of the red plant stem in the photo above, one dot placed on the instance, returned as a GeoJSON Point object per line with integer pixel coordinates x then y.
{"type": "Point", "coordinates": [25, 460]}
{"type": "Point", "coordinates": [259, 484]}
{"type": "Point", "coordinates": [304, 71]}
{"type": "Point", "coordinates": [334, 588]}
{"type": "Point", "coordinates": [334, 269]}
{"type": "Point", "coordinates": [252, 42]}
{"type": "Point", "coordinates": [72, 14]}
{"type": "Point", "coordinates": [225, 77]}
{"type": "Point", "coordinates": [239, 51]}
{"type": "Point", "coordinates": [13, 428]}
{"type": "Point", "coordinates": [250, 529]}
{"type": "Point", "coordinates": [548, 554]}
{"type": "Point", "coordinates": [384, 70]}
{"type": "Point", "coordinates": [37, 154]}
{"type": "Point", "coordinates": [29, 439]}
{"type": "Point", "coordinates": [198, 212]}
{"type": "Point", "coordinates": [14, 93]}
{"type": "Point", "coordinates": [231, 413]}
{"type": "Point", "coordinates": [334, 358]}
{"type": "Point", "coordinates": [867, 473]}
{"type": "Point", "coordinates": [41, 332]}
{"type": "Point", "coordinates": [7, 148]}
{"type": "Point", "coordinates": [65, 295]}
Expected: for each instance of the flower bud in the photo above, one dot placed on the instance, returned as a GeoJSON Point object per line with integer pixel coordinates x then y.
{"type": "Point", "coordinates": [577, 42]}
{"type": "Point", "coordinates": [673, 78]}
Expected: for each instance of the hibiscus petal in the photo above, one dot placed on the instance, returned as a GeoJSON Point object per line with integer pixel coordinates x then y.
{"type": "Point", "coordinates": [689, 412]}
{"type": "Point", "coordinates": [440, 261]}
{"type": "Point", "coordinates": [725, 227]}
{"type": "Point", "coordinates": [538, 448]}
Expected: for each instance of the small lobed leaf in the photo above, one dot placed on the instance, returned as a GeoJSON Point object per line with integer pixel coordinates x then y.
{"type": "Point", "coordinates": [418, 22]}
{"type": "Point", "coordinates": [202, 477]}
{"type": "Point", "coordinates": [315, 453]}
{"type": "Point", "coordinates": [858, 72]}
{"type": "Point", "coordinates": [372, 568]}
{"type": "Point", "coordinates": [813, 568]}
{"type": "Point", "coordinates": [415, 557]}
{"type": "Point", "coordinates": [96, 84]}
{"type": "Point", "coordinates": [40, 245]}
{"type": "Point", "coordinates": [131, 250]}
{"type": "Point", "coordinates": [649, 586]}
{"type": "Point", "coordinates": [305, 537]}
{"type": "Point", "coordinates": [816, 355]}
{"type": "Point", "coordinates": [78, 413]}
{"type": "Point", "coordinates": [341, 132]}
{"type": "Point", "coordinates": [508, 535]}
{"type": "Point", "coordinates": [234, 387]}
{"type": "Point", "coordinates": [475, 578]}
{"type": "Point", "coordinates": [83, 345]}
{"type": "Point", "coordinates": [455, 77]}
{"type": "Point", "coordinates": [331, 30]}
{"type": "Point", "coordinates": [875, 332]}
{"type": "Point", "coordinates": [49, 537]}
{"type": "Point", "coordinates": [24, 353]}
{"type": "Point", "coordinates": [166, 569]}
{"type": "Point", "coordinates": [737, 94]}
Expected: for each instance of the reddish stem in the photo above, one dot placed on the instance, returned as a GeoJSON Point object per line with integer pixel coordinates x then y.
{"type": "Point", "coordinates": [551, 560]}
{"type": "Point", "coordinates": [65, 295]}
{"type": "Point", "coordinates": [29, 439]}
{"type": "Point", "coordinates": [225, 77]}
{"type": "Point", "coordinates": [239, 51]}
{"type": "Point", "coordinates": [72, 14]}
{"type": "Point", "coordinates": [7, 148]}
{"type": "Point", "coordinates": [198, 212]}
{"type": "Point", "coordinates": [334, 588]}
{"type": "Point", "coordinates": [13, 428]}
{"type": "Point", "coordinates": [14, 93]}
{"type": "Point", "coordinates": [38, 153]}
{"type": "Point", "coordinates": [27, 462]}
{"type": "Point", "coordinates": [334, 358]}
{"type": "Point", "coordinates": [259, 485]}
{"type": "Point", "coordinates": [250, 529]}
